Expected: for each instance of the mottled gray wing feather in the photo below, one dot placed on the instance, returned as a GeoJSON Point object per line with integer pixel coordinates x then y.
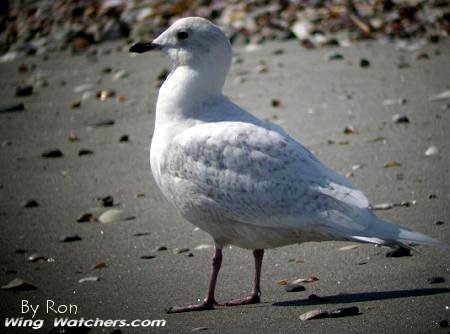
{"type": "Point", "coordinates": [259, 176]}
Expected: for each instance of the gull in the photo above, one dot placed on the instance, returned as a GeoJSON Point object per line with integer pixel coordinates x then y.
{"type": "Point", "coordinates": [245, 181]}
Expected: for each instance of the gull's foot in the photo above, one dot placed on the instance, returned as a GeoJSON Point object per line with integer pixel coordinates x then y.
{"type": "Point", "coordinates": [252, 299]}
{"type": "Point", "coordinates": [190, 308]}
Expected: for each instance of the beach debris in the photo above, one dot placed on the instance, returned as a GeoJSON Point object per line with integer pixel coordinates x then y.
{"type": "Point", "coordinates": [24, 90]}
{"type": "Point", "coordinates": [180, 250]}
{"type": "Point", "coordinates": [391, 164]}
{"type": "Point", "coordinates": [104, 94]}
{"type": "Point", "coordinates": [203, 246]}
{"type": "Point", "coordinates": [399, 252]}
{"type": "Point", "coordinates": [36, 257]}
{"type": "Point", "coordinates": [335, 56]}
{"type": "Point", "coordinates": [392, 102]}
{"type": "Point", "coordinates": [9, 108]}
{"type": "Point", "coordinates": [440, 96]}
{"type": "Point", "coordinates": [75, 104]}
{"type": "Point", "coordinates": [70, 238]}
{"type": "Point", "coordinates": [305, 280]}
{"type": "Point", "coordinates": [83, 88]}
{"type": "Point", "coordinates": [283, 281]}
{"type": "Point", "coordinates": [436, 280]}
{"type": "Point", "coordinates": [102, 123]}
{"type": "Point", "coordinates": [124, 139]}
{"type": "Point", "coordinates": [73, 137]}
{"type": "Point", "coordinates": [314, 314]}
{"type": "Point", "coordinates": [106, 201]}
{"type": "Point", "coordinates": [55, 153]}
{"type": "Point", "coordinates": [100, 265]}
{"type": "Point", "coordinates": [31, 204]}
{"type": "Point", "coordinates": [275, 103]}
{"type": "Point", "coordinates": [86, 218]}
{"type": "Point", "coordinates": [349, 130]}
{"type": "Point", "coordinates": [400, 118]}
{"type": "Point", "coordinates": [161, 248]}
{"type": "Point", "coordinates": [88, 279]}
{"type": "Point", "coordinates": [141, 234]}
{"type": "Point", "coordinates": [349, 247]}
{"type": "Point", "coordinates": [147, 257]}
{"type": "Point", "coordinates": [439, 222]}
{"type": "Point", "coordinates": [18, 284]}
{"type": "Point", "coordinates": [114, 215]}
{"type": "Point", "coordinates": [387, 206]}
{"type": "Point", "coordinates": [364, 63]}
{"type": "Point", "coordinates": [432, 150]}
{"type": "Point", "coordinates": [199, 329]}
{"type": "Point", "coordinates": [121, 74]}
{"type": "Point", "coordinates": [85, 151]}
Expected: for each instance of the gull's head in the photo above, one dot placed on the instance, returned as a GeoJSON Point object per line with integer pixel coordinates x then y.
{"type": "Point", "coordinates": [191, 41]}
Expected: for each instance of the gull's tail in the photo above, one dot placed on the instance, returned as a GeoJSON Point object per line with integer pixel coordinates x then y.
{"type": "Point", "coordinates": [392, 235]}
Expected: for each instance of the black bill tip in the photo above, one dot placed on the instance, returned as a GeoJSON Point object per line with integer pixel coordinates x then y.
{"type": "Point", "coordinates": [141, 47]}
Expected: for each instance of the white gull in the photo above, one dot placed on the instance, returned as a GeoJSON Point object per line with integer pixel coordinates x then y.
{"type": "Point", "coordinates": [244, 181]}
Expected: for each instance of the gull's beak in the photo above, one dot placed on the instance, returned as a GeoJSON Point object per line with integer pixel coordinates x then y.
{"type": "Point", "coordinates": [141, 47]}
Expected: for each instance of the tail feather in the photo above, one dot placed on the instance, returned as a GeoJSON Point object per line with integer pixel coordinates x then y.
{"type": "Point", "coordinates": [388, 234]}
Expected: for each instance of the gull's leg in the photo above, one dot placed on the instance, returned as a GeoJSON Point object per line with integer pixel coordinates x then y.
{"type": "Point", "coordinates": [254, 298]}
{"type": "Point", "coordinates": [209, 301]}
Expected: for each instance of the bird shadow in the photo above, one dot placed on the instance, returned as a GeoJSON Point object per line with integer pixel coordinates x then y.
{"type": "Point", "coordinates": [363, 297]}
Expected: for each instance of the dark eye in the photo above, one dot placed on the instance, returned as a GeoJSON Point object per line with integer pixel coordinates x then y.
{"type": "Point", "coordinates": [182, 35]}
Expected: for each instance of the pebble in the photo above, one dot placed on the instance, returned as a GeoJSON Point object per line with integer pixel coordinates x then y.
{"type": "Point", "coordinates": [439, 222]}
{"type": "Point", "coordinates": [8, 108]}
{"type": "Point", "coordinates": [56, 153]}
{"type": "Point", "coordinates": [391, 163]}
{"type": "Point", "coordinates": [36, 257]}
{"type": "Point", "coordinates": [89, 279]}
{"type": "Point", "coordinates": [305, 280]}
{"type": "Point", "coordinates": [293, 287]}
{"type": "Point", "coordinates": [344, 312]}
{"type": "Point", "coordinates": [400, 118]}
{"type": "Point", "coordinates": [314, 314]}
{"type": "Point", "coordinates": [147, 257]}
{"type": "Point", "coordinates": [25, 90]}
{"type": "Point", "coordinates": [18, 284]}
{"type": "Point", "coordinates": [335, 56]}
{"type": "Point", "coordinates": [70, 238]}
{"type": "Point", "coordinates": [124, 139]}
{"type": "Point", "coordinates": [349, 247]}
{"type": "Point", "coordinates": [364, 63]}
{"type": "Point", "coordinates": [86, 217]}
{"type": "Point", "coordinates": [83, 88]}
{"type": "Point", "coordinates": [161, 248]}
{"type": "Point", "coordinates": [399, 252]}
{"type": "Point", "coordinates": [349, 129]}
{"type": "Point", "coordinates": [199, 329]}
{"type": "Point", "coordinates": [120, 75]}
{"type": "Point", "coordinates": [436, 280]}
{"type": "Point", "coordinates": [31, 204]}
{"type": "Point", "coordinates": [85, 152]}
{"type": "Point", "coordinates": [102, 123]}
{"type": "Point", "coordinates": [432, 150]}
{"type": "Point", "coordinates": [114, 215]}
{"type": "Point", "coordinates": [75, 104]}
{"type": "Point", "coordinates": [106, 201]}
{"type": "Point", "coordinates": [100, 265]}
{"type": "Point", "coordinates": [180, 250]}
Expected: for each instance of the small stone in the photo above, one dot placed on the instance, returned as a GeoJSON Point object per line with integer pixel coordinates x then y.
{"type": "Point", "coordinates": [345, 312]}
{"type": "Point", "coordinates": [141, 234]}
{"type": "Point", "coordinates": [104, 94]}
{"type": "Point", "coordinates": [114, 215]}
{"type": "Point", "coordinates": [25, 90]}
{"type": "Point", "coordinates": [349, 129]}
{"type": "Point", "coordinates": [422, 56]}
{"type": "Point", "coordinates": [382, 206]}
{"type": "Point", "coordinates": [86, 218]}
{"type": "Point", "coordinates": [18, 284]}
{"type": "Point", "coordinates": [275, 103]}
{"type": "Point", "coordinates": [305, 280]}
{"type": "Point", "coordinates": [35, 257]}
{"type": "Point", "coordinates": [70, 238]}
{"type": "Point", "coordinates": [199, 329]}
{"type": "Point", "coordinates": [432, 196]}
{"type": "Point", "coordinates": [391, 163]}
{"type": "Point", "coordinates": [436, 280]}
{"type": "Point", "coordinates": [282, 282]}
{"type": "Point", "coordinates": [262, 68]}
{"type": "Point", "coordinates": [180, 250]}
{"type": "Point", "coordinates": [293, 287]}
{"type": "Point", "coordinates": [73, 137]}
{"type": "Point", "coordinates": [102, 123]}
{"type": "Point", "coordinates": [364, 63]}
{"type": "Point", "coordinates": [85, 152]}
{"type": "Point", "coordinates": [314, 314]}
{"type": "Point", "coordinates": [399, 252]}
{"type": "Point", "coordinates": [106, 201]}
{"type": "Point", "coordinates": [52, 154]}
{"type": "Point", "coordinates": [147, 257]}
{"type": "Point", "coordinates": [400, 118]}
{"type": "Point", "coordinates": [278, 52]}
{"type": "Point", "coordinates": [349, 247]}
{"type": "Point", "coordinates": [432, 150]}
{"type": "Point", "coordinates": [439, 222]}
{"type": "Point", "coordinates": [121, 98]}
{"type": "Point", "coordinates": [335, 56]}
{"type": "Point", "coordinates": [161, 248]}
{"type": "Point", "coordinates": [75, 104]}
{"type": "Point", "coordinates": [100, 265]}
{"type": "Point", "coordinates": [124, 139]}
{"type": "Point", "coordinates": [31, 204]}
{"type": "Point", "coordinates": [12, 108]}
{"type": "Point", "coordinates": [89, 279]}
{"type": "Point", "coordinates": [120, 75]}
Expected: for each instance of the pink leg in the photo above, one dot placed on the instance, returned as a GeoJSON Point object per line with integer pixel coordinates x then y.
{"type": "Point", "coordinates": [209, 301]}
{"type": "Point", "coordinates": [254, 298]}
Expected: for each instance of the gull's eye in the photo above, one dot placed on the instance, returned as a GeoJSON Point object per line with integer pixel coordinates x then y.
{"type": "Point", "coordinates": [182, 35]}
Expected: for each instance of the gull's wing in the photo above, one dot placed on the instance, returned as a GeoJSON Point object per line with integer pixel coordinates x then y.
{"type": "Point", "coordinates": [254, 175]}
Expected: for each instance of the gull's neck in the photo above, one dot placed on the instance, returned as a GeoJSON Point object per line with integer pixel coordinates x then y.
{"type": "Point", "coordinates": [187, 91]}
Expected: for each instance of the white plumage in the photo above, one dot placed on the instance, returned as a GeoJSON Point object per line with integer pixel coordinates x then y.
{"type": "Point", "coordinates": [244, 181]}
